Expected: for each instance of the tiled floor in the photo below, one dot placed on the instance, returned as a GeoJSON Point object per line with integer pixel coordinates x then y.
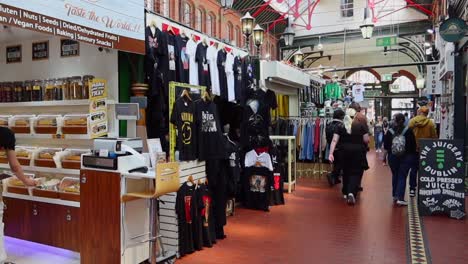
{"type": "Point", "coordinates": [22, 252]}
{"type": "Point", "coordinates": [316, 226]}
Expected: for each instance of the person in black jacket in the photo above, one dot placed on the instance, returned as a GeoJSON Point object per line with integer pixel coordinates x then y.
{"type": "Point", "coordinates": [400, 163]}
{"type": "Point", "coordinates": [334, 177]}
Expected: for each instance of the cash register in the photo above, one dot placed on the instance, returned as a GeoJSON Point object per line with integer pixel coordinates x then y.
{"type": "Point", "coordinates": [116, 154]}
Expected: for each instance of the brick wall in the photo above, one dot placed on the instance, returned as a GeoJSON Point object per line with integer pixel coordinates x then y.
{"type": "Point", "coordinates": [223, 19]}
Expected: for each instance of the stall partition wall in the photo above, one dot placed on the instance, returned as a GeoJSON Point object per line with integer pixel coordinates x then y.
{"type": "Point", "coordinates": [102, 64]}
{"type": "Point", "coordinates": [167, 213]}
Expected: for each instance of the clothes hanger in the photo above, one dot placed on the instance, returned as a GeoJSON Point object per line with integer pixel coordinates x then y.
{"type": "Point", "coordinates": [153, 23]}
{"type": "Point", "coordinates": [229, 139]}
{"type": "Point", "coordinates": [182, 34]}
{"type": "Point", "coordinates": [191, 180]}
{"type": "Point", "coordinates": [204, 42]}
{"type": "Point", "coordinates": [206, 96]}
{"type": "Point", "coordinates": [170, 30]}
{"type": "Point", "coordinates": [186, 94]}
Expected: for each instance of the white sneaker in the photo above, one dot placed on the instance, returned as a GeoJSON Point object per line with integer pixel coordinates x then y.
{"type": "Point", "coordinates": [402, 203]}
{"type": "Point", "coordinates": [351, 200]}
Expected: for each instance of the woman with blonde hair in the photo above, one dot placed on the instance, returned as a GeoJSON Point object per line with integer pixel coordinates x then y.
{"type": "Point", "coordinates": [353, 138]}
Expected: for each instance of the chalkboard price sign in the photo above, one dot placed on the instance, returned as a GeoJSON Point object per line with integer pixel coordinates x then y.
{"type": "Point", "coordinates": [441, 180]}
{"type": "Point", "coordinates": [40, 50]}
{"type": "Point", "coordinates": [69, 48]}
{"type": "Point", "coordinates": [13, 54]}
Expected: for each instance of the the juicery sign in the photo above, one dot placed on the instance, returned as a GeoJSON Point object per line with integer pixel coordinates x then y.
{"type": "Point", "coordinates": [106, 23]}
{"type": "Point", "coordinates": [441, 186]}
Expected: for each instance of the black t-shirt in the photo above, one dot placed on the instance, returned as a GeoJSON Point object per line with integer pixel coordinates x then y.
{"type": "Point", "coordinates": [257, 187]}
{"type": "Point", "coordinates": [183, 117]}
{"type": "Point", "coordinates": [237, 78]}
{"type": "Point", "coordinates": [277, 197]}
{"type": "Point", "coordinates": [183, 61]}
{"type": "Point", "coordinates": [210, 137]}
{"type": "Point", "coordinates": [173, 53]}
{"type": "Point", "coordinates": [156, 52]}
{"type": "Point", "coordinates": [203, 70]}
{"type": "Point", "coordinates": [220, 62]}
{"type": "Point", "coordinates": [7, 139]}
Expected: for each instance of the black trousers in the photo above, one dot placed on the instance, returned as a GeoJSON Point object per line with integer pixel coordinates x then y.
{"type": "Point", "coordinates": [354, 162]}
{"type": "Point", "coordinates": [337, 165]}
{"type": "Point", "coordinates": [217, 183]}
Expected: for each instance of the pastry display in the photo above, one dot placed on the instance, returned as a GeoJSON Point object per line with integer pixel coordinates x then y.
{"type": "Point", "coordinates": [21, 124]}
{"type": "Point", "coordinates": [45, 158]}
{"type": "Point", "coordinates": [46, 125]}
{"type": "Point", "coordinates": [47, 187]}
{"type": "Point", "coordinates": [4, 121]}
{"type": "Point", "coordinates": [3, 157]}
{"type": "Point", "coordinates": [70, 189]}
{"type": "Point", "coordinates": [23, 155]}
{"type": "Point", "coordinates": [72, 158]}
{"type": "Point", "coordinates": [75, 124]}
{"type": "Point", "coordinates": [15, 185]}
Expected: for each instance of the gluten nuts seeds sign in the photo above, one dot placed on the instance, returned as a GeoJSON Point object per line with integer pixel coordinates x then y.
{"type": "Point", "coordinates": [107, 23]}
{"type": "Point", "coordinates": [441, 186]}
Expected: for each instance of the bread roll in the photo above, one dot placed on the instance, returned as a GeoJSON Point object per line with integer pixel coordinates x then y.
{"type": "Point", "coordinates": [76, 122]}
{"type": "Point", "coordinates": [47, 122]}
{"type": "Point", "coordinates": [46, 155]}
{"type": "Point", "coordinates": [21, 122]}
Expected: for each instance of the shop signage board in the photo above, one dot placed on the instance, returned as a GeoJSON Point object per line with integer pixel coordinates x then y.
{"type": "Point", "coordinates": [107, 23]}
{"type": "Point", "coordinates": [372, 93]}
{"type": "Point", "coordinates": [433, 84]}
{"type": "Point", "coordinates": [453, 29]}
{"type": "Point", "coordinates": [13, 54]}
{"type": "Point", "coordinates": [40, 50]}
{"type": "Point", "coordinates": [441, 178]}
{"type": "Point", "coordinates": [98, 108]}
{"type": "Point", "coordinates": [387, 77]}
{"type": "Point", "coordinates": [69, 48]}
{"type": "Point", "coordinates": [386, 41]}
{"type": "Point", "coordinates": [447, 60]}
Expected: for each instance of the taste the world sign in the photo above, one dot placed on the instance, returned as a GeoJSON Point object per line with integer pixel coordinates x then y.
{"type": "Point", "coordinates": [441, 180]}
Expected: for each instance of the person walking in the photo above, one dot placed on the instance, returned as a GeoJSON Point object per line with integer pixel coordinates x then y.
{"type": "Point", "coordinates": [334, 177]}
{"type": "Point", "coordinates": [378, 130]}
{"type": "Point", "coordinates": [352, 137]}
{"type": "Point", "coordinates": [7, 145]}
{"type": "Point", "coordinates": [423, 128]}
{"type": "Point", "coordinates": [385, 128]}
{"type": "Point", "coordinates": [401, 146]}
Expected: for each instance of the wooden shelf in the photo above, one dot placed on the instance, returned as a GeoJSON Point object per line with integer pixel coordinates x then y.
{"type": "Point", "coordinates": [51, 103]}
{"type": "Point", "coordinates": [50, 136]}
{"type": "Point", "coordinates": [45, 170]}
{"type": "Point", "coordinates": [41, 199]}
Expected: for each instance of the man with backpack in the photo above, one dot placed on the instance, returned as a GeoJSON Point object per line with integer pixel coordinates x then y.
{"type": "Point", "coordinates": [334, 177]}
{"type": "Point", "coordinates": [423, 128]}
{"type": "Point", "coordinates": [401, 146]}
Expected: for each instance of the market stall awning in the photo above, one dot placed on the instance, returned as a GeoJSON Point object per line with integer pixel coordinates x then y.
{"type": "Point", "coordinates": [282, 78]}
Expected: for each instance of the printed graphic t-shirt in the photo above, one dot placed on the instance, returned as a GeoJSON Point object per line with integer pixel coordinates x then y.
{"type": "Point", "coordinates": [210, 137]}
{"type": "Point", "coordinates": [183, 65]}
{"type": "Point", "coordinates": [183, 118]}
{"type": "Point", "coordinates": [358, 93]}
{"type": "Point", "coordinates": [203, 70]}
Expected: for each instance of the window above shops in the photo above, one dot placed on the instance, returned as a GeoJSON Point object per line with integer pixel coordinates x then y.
{"type": "Point", "coordinates": [404, 84]}
{"type": "Point", "coordinates": [347, 8]}
{"type": "Point", "coordinates": [363, 76]}
{"type": "Point", "coordinates": [199, 15]}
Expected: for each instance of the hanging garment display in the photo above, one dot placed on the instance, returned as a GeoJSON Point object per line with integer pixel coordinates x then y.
{"type": "Point", "coordinates": [229, 68]}
{"type": "Point", "coordinates": [217, 179]}
{"type": "Point", "coordinates": [173, 60]}
{"type": "Point", "coordinates": [358, 93]}
{"type": "Point", "coordinates": [221, 62]}
{"type": "Point", "coordinates": [183, 118]}
{"type": "Point", "coordinates": [183, 63]}
{"type": "Point", "coordinates": [191, 50]}
{"type": "Point", "coordinates": [279, 173]}
{"type": "Point", "coordinates": [257, 180]}
{"type": "Point", "coordinates": [188, 207]}
{"type": "Point", "coordinates": [333, 91]}
{"type": "Point", "coordinates": [154, 43]}
{"type": "Point", "coordinates": [206, 213]}
{"type": "Point", "coordinates": [237, 78]}
{"type": "Point", "coordinates": [209, 131]}
{"type": "Point", "coordinates": [203, 71]}
{"type": "Point", "coordinates": [212, 57]}
{"type": "Point", "coordinates": [233, 167]}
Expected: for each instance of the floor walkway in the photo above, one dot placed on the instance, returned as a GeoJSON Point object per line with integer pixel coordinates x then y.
{"type": "Point", "coordinates": [316, 226]}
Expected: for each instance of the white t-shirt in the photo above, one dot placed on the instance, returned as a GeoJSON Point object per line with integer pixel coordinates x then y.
{"type": "Point", "coordinates": [191, 50]}
{"type": "Point", "coordinates": [264, 159]}
{"type": "Point", "coordinates": [229, 67]}
{"type": "Point", "coordinates": [358, 93]}
{"type": "Point", "coordinates": [212, 57]}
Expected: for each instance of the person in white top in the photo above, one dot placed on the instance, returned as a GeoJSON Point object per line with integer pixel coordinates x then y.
{"type": "Point", "coordinates": [191, 50]}
{"type": "Point", "coordinates": [229, 67]}
{"type": "Point", "coordinates": [212, 57]}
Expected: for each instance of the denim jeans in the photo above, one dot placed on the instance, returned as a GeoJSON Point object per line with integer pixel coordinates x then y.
{"type": "Point", "coordinates": [400, 167]}
{"type": "Point", "coordinates": [378, 140]}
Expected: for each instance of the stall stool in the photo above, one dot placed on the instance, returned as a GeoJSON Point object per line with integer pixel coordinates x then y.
{"type": "Point", "coordinates": [166, 181]}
